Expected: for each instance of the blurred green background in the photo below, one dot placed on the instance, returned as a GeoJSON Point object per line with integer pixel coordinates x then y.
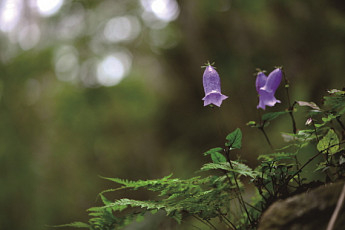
{"type": "Point", "coordinates": [113, 88]}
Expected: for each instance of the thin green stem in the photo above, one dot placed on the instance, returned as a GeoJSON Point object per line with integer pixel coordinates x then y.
{"type": "Point", "coordinates": [300, 169]}
{"type": "Point", "coordinates": [313, 124]}
{"type": "Point", "coordinates": [237, 185]}
{"type": "Point", "coordinates": [291, 106]}
{"type": "Point", "coordinates": [261, 128]}
{"type": "Point", "coordinates": [310, 160]}
{"type": "Point", "coordinates": [294, 127]}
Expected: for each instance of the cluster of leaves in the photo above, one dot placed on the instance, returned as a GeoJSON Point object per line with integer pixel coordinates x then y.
{"type": "Point", "coordinates": [213, 197]}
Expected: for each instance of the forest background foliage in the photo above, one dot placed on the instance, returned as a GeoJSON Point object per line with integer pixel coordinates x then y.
{"type": "Point", "coordinates": [62, 126]}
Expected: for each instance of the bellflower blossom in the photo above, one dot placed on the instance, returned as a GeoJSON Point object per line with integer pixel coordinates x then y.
{"type": "Point", "coordinates": [211, 82]}
{"type": "Point", "coordinates": [267, 86]}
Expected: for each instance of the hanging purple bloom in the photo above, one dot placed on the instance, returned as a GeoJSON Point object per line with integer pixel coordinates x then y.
{"type": "Point", "coordinates": [211, 83]}
{"type": "Point", "coordinates": [267, 86]}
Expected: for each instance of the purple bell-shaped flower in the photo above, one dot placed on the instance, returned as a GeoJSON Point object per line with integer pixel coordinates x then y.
{"type": "Point", "coordinates": [267, 86]}
{"type": "Point", "coordinates": [211, 82]}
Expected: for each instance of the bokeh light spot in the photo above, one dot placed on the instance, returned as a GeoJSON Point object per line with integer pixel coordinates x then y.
{"type": "Point", "coordinates": [122, 29]}
{"type": "Point", "coordinates": [165, 10]}
{"type": "Point", "coordinates": [66, 63]}
{"type": "Point", "coordinates": [9, 14]}
{"type": "Point", "coordinates": [113, 68]}
{"type": "Point", "coordinates": [29, 36]}
{"type": "Point", "coordinates": [48, 7]}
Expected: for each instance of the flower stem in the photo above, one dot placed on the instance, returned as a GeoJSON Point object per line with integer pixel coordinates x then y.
{"type": "Point", "coordinates": [313, 124]}
{"type": "Point", "coordinates": [290, 109]}
{"type": "Point", "coordinates": [291, 106]}
{"type": "Point", "coordinates": [261, 127]}
{"type": "Point", "coordinates": [266, 137]}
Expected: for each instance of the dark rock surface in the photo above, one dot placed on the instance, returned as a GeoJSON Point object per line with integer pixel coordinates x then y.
{"type": "Point", "coordinates": [311, 210]}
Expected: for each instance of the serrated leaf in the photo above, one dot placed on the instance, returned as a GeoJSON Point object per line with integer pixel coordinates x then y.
{"type": "Point", "coordinates": [271, 116]}
{"type": "Point", "coordinates": [105, 200]}
{"type": "Point", "coordinates": [238, 168]}
{"type": "Point", "coordinates": [277, 156]}
{"type": "Point", "coordinates": [234, 139]}
{"type": "Point", "coordinates": [329, 143]}
{"type": "Point", "coordinates": [213, 166]}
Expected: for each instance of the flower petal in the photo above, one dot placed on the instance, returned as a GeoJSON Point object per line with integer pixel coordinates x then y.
{"type": "Point", "coordinates": [211, 80]}
{"type": "Point", "coordinates": [266, 99]}
{"type": "Point", "coordinates": [273, 81]}
{"type": "Point", "coordinates": [260, 81]}
{"type": "Point", "coordinates": [215, 98]}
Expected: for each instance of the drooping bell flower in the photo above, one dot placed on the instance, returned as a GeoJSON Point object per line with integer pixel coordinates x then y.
{"type": "Point", "coordinates": [267, 86]}
{"type": "Point", "coordinates": [211, 82]}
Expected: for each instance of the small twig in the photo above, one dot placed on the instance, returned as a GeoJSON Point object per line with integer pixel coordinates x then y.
{"type": "Point", "coordinates": [266, 137]}
{"type": "Point", "coordinates": [312, 158]}
{"type": "Point", "coordinates": [227, 221]}
{"type": "Point", "coordinates": [209, 222]}
{"type": "Point", "coordinates": [337, 209]}
{"type": "Point", "coordinates": [300, 169]}
{"type": "Point", "coordinates": [253, 207]}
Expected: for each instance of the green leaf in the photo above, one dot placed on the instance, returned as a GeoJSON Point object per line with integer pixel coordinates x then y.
{"type": "Point", "coordinates": [271, 116]}
{"type": "Point", "coordinates": [234, 139]}
{"type": "Point", "coordinates": [329, 142]}
{"type": "Point", "coordinates": [209, 152]}
{"type": "Point", "coordinates": [218, 157]}
{"type": "Point", "coordinates": [336, 101]}
{"type": "Point", "coordinates": [328, 118]}
{"type": "Point", "coordinates": [252, 124]}
{"type": "Point", "coordinates": [105, 200]}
